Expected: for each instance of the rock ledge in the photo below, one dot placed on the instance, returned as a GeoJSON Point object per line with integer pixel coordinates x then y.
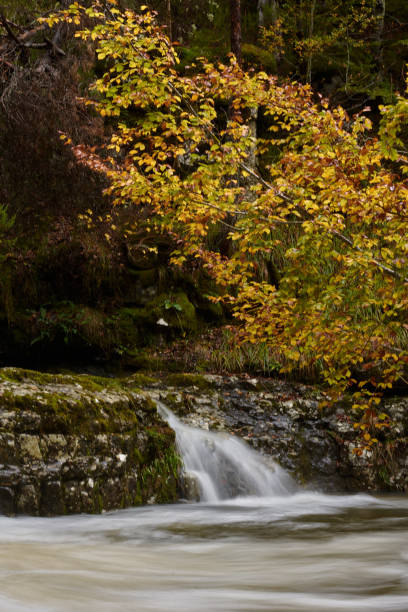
{"type": "Point", "coordinates": [73, 444]}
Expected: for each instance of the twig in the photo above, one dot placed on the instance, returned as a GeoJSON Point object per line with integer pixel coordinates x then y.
{"type": "Point", "coordinates": [6, 63]}
{"type": "Point", "coordinates": [9, 31]}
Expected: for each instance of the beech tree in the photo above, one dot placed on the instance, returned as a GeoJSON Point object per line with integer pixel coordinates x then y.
{"type": "Point", "coordinates": [327, 214]}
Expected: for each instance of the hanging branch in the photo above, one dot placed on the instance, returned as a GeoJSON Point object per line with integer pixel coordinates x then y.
{"type": "Point", "coordinates": [23, 40]}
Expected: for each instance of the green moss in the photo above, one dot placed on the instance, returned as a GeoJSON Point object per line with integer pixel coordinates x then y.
{"type": "Point", "coordinates": [98, 383]}
{"type": "Point", "coordinates": [22, 375]}
{"type": "Point", "coordinates": [149, 405]}
{"type": "Point", "coordinates": [159, 439]}
{"type": "Point", "coordinates": [252, 54]}
{"type": "Point", "coordinates": [139, 380]}
{"type": "Point", "coordinates": [142, 360]}
{"type": "Point", "coordinates": [175, 308]}
{"type": "Point", "coordinates": [129, 315]}
{"type": "Point", "coordinates": [81, 415]}
{"type": "Point", "coordinates": [125, 324]}
{"type": "Point", "coordinates": [188, 380]}
{"type": "Point", "coordinates": [179, 312]}
{"type": "Point", "coordinates": [15, 402]}
{"type": "Point", "coordinates": [172, 401]}
{"type": "Point", "coordinates": [214, 310]}
{"type": "Point", "coordinates": [136, 457]}
{"type": "Point", "coordinates": [87, 382]}
{"type": "Point", "coordinates": [98, 503]}
{"type": "Point", "coordinates": [86, 417]}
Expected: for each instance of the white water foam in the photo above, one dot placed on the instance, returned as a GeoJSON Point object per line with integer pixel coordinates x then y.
{"type": "Point", "coordinates": [219, 466]}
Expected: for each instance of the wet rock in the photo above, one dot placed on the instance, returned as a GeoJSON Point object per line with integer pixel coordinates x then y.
{"type": "Point", "coordinates": [54, 446]}
{"type": "Point", "coordinates": [52, 499]}
{"type": "Point", "coordinates": [6, 500]}
{"type": "Point", "coordinates": [190, 487]}
{"type": "Point", "coordinates": [85, 444]}
{"type": "Point", "coordinates": [27, 500]}
{"type": "Point", "coordinates": [30, 448]}
{"type": "Point", "coordinates": [7, 448]}
{"type": "Point", "coordinates": [284, 421]}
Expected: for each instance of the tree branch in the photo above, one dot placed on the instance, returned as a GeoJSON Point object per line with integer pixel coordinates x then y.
{"type": "Point", "coordinates": [20, 40]}
{"type": "Point", "coordinates": [9, 31]}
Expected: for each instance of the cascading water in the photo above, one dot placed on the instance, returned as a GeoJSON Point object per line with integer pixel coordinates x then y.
{"type": "Point", "coordinates": [218, 466]}
{"type": "Point", "coordinates": [264, 550]}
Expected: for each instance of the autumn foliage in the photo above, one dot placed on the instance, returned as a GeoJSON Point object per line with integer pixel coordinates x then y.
{"type": "Point", "coordinates": [313, 215]}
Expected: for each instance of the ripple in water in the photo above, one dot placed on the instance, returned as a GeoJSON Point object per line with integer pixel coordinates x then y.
{"type": "Point", "coordinates": [287, 551]}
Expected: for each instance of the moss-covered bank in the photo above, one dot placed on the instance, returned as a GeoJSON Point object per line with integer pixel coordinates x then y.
{"type": "Point", "coordinates": [80, 444]}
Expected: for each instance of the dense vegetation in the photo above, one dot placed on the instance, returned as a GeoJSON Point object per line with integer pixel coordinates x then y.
{"type": "Point", "coordinates": [222, 183]}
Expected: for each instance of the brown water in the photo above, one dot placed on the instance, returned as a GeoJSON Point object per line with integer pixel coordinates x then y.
{"type": "Point", "coordinates": [302, 552]}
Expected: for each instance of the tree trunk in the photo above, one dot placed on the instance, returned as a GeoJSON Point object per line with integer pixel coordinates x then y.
{"type": "Point", "coordinates": [261, 8]}
{"type": "Point", "coordinates": [169, 20]}
{"type": "Point", "coordinates": [381, 9]}
{"type": "Point", "coordinates": [261, 11]}
{"type": "Point", "coordinates": [311, 32]}
{"type": "Point", "coordinates": [236, 39]}
{"type": "Point", "coordinates": [275, 9]}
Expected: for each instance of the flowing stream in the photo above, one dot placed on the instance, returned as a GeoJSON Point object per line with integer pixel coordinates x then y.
{"type": "Point", "coordinates": [219, 466]}
{"type": "Point", "coordinates": [255, 542]}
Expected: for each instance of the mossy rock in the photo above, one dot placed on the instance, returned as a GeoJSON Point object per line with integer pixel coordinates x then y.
{"type": "Point", "coordinates": [177, 310]}
{"type": "Point", "coordinates": [204, 288]}
{"type": "Point", "coordinates": [188, 380]}
{"type": "Point", "coordinates": [86, 381]}
{"type": "Point", "coordinates": [126, 328]}
{"type": "Point", "coordinates": [174, 309]}
{"type": "Point", "coordinates": [139, 381]}
{"type": "Point", "coordinates": [139, 286]}
{"type": "Point", "coordinates": [212, 311]}
{"type": "Point", "coordinates": [139, 359]}
{"type": "Point", "coordinates": [252, 54]}
{"type": "Point", "coordinates": [78, 443]}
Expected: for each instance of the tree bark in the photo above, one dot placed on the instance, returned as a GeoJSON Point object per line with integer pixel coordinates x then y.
{"type": "Point", "coordinates": [169, 20]}
{"type": "Point", "coordinates": [261, 11]}
{"type": "Point", "coordinates": [236, 37]}
{"type": "Point", "coordinates": [261, 8]}
{"type": "Point", "coordinates": [311, 32]}
{"type": "Point", "coordinates": [381, 10]}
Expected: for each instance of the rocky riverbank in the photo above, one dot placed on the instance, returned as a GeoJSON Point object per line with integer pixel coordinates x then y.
{"type": "Point", "coordinates": [284, 421]}
{"type": "Point", "coordinates": [77, 443]}
{"type": "Point", "coordinates": [73, 444]}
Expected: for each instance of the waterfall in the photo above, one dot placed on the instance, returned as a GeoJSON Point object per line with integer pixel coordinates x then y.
{"type": "Point", "coordinates": [218, 466]}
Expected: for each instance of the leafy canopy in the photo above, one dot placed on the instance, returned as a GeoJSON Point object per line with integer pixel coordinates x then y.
{"type": "Point", "coordinates": [327, 214]}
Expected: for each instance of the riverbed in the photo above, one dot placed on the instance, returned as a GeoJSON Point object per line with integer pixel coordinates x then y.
{"type": "Point", "coordinates": [291, 553]}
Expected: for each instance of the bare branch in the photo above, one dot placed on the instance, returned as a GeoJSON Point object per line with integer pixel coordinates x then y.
{"type": "Point", "coordinates": [6, 25]}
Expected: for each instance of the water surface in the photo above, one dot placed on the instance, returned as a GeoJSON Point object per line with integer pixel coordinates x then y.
{"type": "Point", "coordinates": [301, 552]}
